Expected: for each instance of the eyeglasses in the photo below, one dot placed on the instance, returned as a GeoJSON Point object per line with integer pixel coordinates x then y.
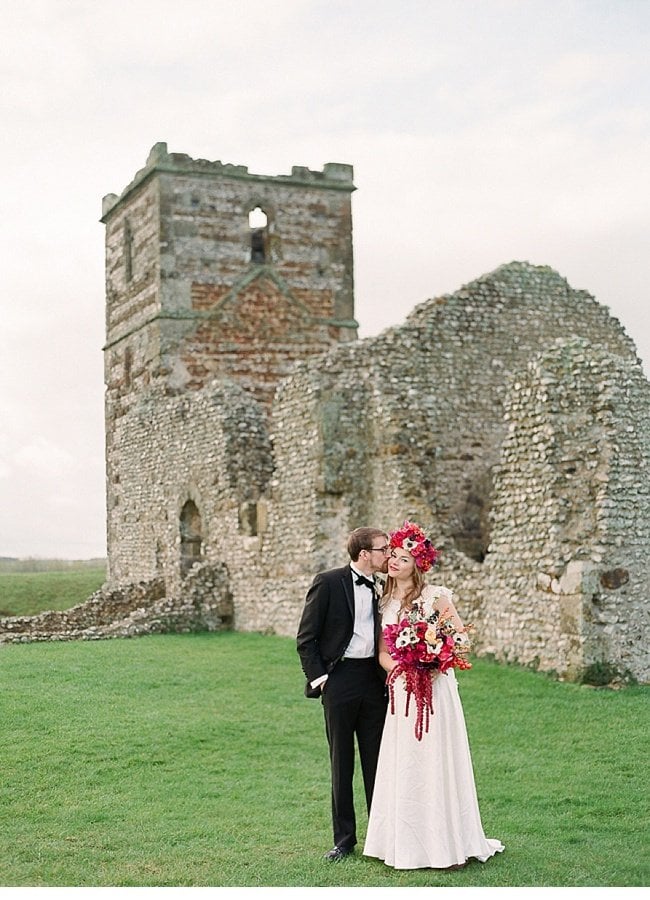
{"type": "Point", "coordinates": [378, 549]}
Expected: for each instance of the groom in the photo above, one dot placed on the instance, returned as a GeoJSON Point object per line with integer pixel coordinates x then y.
{"type": "Point", "coordinates": [337, 643]}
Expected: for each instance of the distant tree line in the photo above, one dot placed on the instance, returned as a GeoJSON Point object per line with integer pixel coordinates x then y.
{"type": "Point", "coordinates": [33, 564]}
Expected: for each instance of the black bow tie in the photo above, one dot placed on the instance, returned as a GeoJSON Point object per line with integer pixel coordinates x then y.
{"type": "Point", "coordinates": [361, 579]}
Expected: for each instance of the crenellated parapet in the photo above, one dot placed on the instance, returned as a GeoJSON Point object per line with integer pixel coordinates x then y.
{"type": "Point", "coordinates": [333, 176]}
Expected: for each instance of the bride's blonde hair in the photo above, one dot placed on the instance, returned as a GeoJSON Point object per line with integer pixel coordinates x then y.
{"type": "Point", "coordinates": [412, 594]}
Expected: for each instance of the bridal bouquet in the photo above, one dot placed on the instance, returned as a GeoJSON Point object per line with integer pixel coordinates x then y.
{"type": "Point", "coordinates": [423, 646]}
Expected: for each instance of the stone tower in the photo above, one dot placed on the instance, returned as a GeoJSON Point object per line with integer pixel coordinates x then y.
{"type": "Point", "coordinates": [211, 270]}
{"type": "Point", "coordinates": [216, 280]}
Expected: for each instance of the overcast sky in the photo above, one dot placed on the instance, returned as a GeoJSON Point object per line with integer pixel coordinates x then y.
{"type": "Point", "coordinates": [480, 132]}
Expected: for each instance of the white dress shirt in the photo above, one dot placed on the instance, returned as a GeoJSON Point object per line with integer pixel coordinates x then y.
{"type": "Point", "coordinates": [362, 644]}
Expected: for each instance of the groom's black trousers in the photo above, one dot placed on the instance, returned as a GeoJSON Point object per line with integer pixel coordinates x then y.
{"type": "Point", "coordinates": [354, 702]}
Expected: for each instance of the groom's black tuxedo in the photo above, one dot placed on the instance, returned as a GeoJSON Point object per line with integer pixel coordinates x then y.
{"type": "Point", "coordinates": [326, 625]}
{"type": "Point", "coordinates": [353, 697]}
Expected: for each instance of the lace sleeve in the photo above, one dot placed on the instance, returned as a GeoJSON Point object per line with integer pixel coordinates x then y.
{"type": "Point", "coordinates": [443, 599]}
{"type": "Point", "coordinates": [443, 594]}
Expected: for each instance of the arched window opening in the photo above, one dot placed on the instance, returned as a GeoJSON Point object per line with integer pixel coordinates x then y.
{"type": "Point", "coordinates": [470, 518]}
{"type": "Point", "coordinates": [248, 518]}
{"type": "Point", "coordinates": [258, 224]}
{"type": "Point", "coordinates": [257, 218]}
{"type": "Point", "coordinates": [191, 537]}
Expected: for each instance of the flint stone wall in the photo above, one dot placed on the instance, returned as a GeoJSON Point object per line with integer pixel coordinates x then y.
{"type": "Point", "coordinates": [566, 582]}
{"type": "Point", "coordinates": [210, 447]}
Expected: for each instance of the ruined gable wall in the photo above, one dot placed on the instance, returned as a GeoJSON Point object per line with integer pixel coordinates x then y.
{"type": "Point", "coordinates": [472, 342]}
{"type": "Point", "coordinates": [418, 415]}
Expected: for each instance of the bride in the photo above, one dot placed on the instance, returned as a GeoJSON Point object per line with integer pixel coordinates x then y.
{"type": "Point", "coordinates": [424, 811]}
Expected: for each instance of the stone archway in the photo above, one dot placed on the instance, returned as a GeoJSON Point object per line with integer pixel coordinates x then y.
{"type": "Point", "coordinates": [191, 529]}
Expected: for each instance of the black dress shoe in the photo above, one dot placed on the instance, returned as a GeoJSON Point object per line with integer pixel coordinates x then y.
{"type": "Point", "coordinates": [337, 853]}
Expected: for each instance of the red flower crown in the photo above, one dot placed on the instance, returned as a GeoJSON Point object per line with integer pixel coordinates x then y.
{"type": "Point", "coordinates": [411, 538]}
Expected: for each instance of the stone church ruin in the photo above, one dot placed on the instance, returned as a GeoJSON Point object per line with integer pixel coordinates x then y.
{"type": "Point", "coordinates": [248, 430]}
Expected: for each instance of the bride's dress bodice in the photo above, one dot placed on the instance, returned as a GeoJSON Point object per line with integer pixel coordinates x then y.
{"type": "Point", "coordinates": [432, 596]}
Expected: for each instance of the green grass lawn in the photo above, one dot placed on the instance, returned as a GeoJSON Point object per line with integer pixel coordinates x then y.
{"type": "Point", "coordinates": [29, 593]}
{"type": "Point", "coordinates": [180, 760]}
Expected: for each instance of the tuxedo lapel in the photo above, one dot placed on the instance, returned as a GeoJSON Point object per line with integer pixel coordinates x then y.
{"type": "Point", "coordinates": [348, 590]}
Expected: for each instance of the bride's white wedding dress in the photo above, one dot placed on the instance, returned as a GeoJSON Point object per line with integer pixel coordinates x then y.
{"type": "Point", "coordinates": [424, 811]}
